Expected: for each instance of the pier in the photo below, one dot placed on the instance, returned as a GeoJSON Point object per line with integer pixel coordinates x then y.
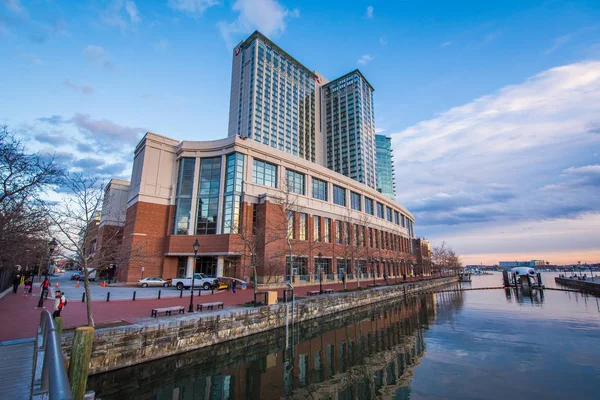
{"type": "Point", "coordinates": [586, 286]}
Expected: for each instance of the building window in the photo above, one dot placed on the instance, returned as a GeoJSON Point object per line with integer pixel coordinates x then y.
{"type": "Point", "coordinates": [327, 231]}
{"type": "Point", "coordinates": [264, 173]}
{"type": "Point", "coordinates": [183, 200]}
{"type": "Point", "coordinates": [295, 182]}
{"type": "Point", "coordinates": [316, 228]}
{"type": "Point", "coordinates": [355, 201]}
{"type": "Point", "coordinates": [339, 195]}
{"type": "Point", "coordinates": [303, 226]}
{"type": "Point", "coordinates": [380, 210]}
{"type": "Point", "coordinates": [396, 217]}
{"type": "Point", "coordinates": [403, 218]}
{"type": "Point", "coordinates": [208, 196]}
{"type": "Point", "coordinates": [389, 214]}
{"type": "Point", "coordinates": [233, 192]}
{"type": "Point", "coordinates": [356, 236]}
{"type": "Point", "coordinates": [376, 234]}
{"type": "Point", "coordinates": [369, 206]}
{"type": "Point", "coordinates": [319, 189]}
{"type": "Point", "coordinates": [338, 232]}
{"type": "Point", "coordinates": [291, 225]}
{"type": "Point", "coordinates": [347, 233]}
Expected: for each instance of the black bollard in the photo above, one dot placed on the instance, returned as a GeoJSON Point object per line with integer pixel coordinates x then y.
{"type": "Point", "coordinates": [134, 295]}
{"type": "Point", "coordinates": [83, 297]}
{"type": "Point", "coordinates": [212, 290]}
{"type": "Point", "coordinates": [159, 294]}
{"type": "Point", "coordinates": [108, 296]}
{"type": "Point", "coordinates": [199, 291]}
{"type": "Point", "coordinates": [181, 293]}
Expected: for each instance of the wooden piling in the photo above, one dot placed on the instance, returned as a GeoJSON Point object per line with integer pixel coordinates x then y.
{"type": "Point", "coordinates": [59, 323]}
{"type": "Point", "coordinates": [80, 360]}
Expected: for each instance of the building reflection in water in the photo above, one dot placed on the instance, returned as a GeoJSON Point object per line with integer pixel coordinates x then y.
{"type": "Point", "coordinates": [361, 354]}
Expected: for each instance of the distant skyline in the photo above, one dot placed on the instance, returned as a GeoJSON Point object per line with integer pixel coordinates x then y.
{"type": "Point", "coordinates": [493, 108]}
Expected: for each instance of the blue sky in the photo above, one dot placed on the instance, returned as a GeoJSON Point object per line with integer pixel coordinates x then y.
{"type": "Point", "coordinates": [493, 107]}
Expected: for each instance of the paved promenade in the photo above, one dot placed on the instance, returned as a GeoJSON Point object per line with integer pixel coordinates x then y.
{"type": "Point", "coordinates": [16, 370]}
{"type": "Point", "coordinates": [20, 316]}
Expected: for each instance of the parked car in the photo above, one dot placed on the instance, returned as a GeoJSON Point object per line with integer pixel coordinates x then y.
{"type": "Point", "coordinates": [200, 280]}
{"type": "Point", "coordinates": [78, 276]}
{"type": "Point", "coordinates": [152, 281]}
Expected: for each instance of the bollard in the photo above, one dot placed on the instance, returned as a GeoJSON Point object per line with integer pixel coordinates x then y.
{"type": "Point", "coordinates": [159, 294]}
{"type": "Point", "coordinates": [212, 290]}
{"type": "Point", "coordinates": [81, 354]}
{"type": "Point", "coordinates": [83, 297]}
{"type": "Point", "coordinates": [199, 291]}
{"type": "Point", "coordinates": [134, 295]}
{"type": "Point", "coordinates": [59, 323]}
{"type": "Point", "coordinates": [181, 293]}
{"type": "Point", "coordinates": [108, 296]}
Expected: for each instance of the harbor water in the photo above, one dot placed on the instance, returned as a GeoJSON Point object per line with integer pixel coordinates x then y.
{"type": "Point", "coordinates": [479, 344]}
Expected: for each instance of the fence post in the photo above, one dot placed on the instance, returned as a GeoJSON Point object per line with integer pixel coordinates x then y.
{"type": "Point", "coordinates": [81, 354]}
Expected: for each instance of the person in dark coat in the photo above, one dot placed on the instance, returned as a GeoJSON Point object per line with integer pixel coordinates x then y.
{"type": "Point", "coordinates": [16, 282]}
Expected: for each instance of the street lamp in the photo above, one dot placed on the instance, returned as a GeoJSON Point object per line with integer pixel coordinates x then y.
{"type": "Point", "coordinates": [196, 248]}
{"type": "Point", "coordinates": [320, 257]}
{"type": "Point", "coordinates": [51, 246]}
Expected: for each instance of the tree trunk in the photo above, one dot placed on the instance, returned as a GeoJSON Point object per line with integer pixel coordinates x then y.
{"type": "Point", "coordinates": [88, 297]}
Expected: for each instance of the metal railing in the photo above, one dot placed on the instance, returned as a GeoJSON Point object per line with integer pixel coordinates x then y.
{"type": "Point", "coordinates": [51, 380]}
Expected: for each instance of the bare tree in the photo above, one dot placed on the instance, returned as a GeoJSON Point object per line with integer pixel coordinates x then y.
{"type": "Point", "coordinates": [444, 258]}
{"type": "Point", "coordinates": [75, 219]}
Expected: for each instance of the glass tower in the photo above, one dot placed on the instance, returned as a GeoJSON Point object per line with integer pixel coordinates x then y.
{"type": "Point", "coordinates": [350, 127]}
{"type": "Point", "coordinates": [386, 181]}
{"type": "Point", "coordinates": [273, 98]}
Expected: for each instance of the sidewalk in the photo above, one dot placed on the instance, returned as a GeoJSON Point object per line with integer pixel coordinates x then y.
{"type": "Point", "coordinates": [21, 318]}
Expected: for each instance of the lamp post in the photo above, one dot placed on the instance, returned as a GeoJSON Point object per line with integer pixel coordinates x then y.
{"type": "Point", "coordinates": [196, 247]}
{"type": "Point", "coordinates": [51, 246]}
{"type": "Point", "coordinates": [320, 257]}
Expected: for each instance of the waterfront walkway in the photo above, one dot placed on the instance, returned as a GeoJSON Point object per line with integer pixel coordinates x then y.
{"type": "Point", "coordinates": [16, 370]}
{"type": "Point", "coordinates": [21, 317]}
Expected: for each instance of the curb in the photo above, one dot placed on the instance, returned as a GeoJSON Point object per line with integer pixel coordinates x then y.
{"type": "Point", "coordinates": [7, 291]}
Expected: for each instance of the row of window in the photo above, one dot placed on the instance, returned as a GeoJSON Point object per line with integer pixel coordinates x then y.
{"type": "Point", "coordinates": [265, 173]}
{"type": "Point", "coordinates": [346, 233]}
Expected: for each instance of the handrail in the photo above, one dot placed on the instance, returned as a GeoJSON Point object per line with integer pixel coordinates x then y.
{"type": "Point", "coordinates": [52, 379]}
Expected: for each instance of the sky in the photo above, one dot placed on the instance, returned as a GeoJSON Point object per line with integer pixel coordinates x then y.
{"type": "Point", "coordinates": [493, 108]}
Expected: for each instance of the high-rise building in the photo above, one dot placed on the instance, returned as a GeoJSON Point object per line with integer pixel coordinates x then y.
{"type": "Point", "coordinates": [386, 181]}
{"type": "Point", "coordinates": [275, 99]}
{"type": "Point", "coordinates": [279, 102]}
{"type": "Point", "coordinates": [350, 127]}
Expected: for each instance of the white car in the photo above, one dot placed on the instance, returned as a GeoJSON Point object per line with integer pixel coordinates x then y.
{"type": "Point", "coordinates": [152, 281]}
{"type": "Point", "coordinates": [200, 280]}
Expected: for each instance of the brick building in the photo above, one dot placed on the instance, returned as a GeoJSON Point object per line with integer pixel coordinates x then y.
{"type": "Point", "coordinates": [250, 205]}
{"type": "Point", "coordinates": [422, 252]}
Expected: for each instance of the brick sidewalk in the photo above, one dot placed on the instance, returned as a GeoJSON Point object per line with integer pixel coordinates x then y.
{"type": "Point", "coordinates": [20, 317]}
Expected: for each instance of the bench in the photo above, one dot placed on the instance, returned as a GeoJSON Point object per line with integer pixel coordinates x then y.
{"type": "Point", "coordinates": [209, 306]}
{"type": "Point", "coordinates": [312, 292]}
{"type": "Point", "coordinates": [327, 290]}
{"type": "Point", "coordinates": [167, 310]}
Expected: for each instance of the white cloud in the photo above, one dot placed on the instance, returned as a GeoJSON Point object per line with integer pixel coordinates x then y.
{"type": "Point", "coordinates": [522, 154]}
{"type": "Point", "coordinates": [85, 89]}
{"type": "Point", "coordinates": [267, 16]}
{"type": "Point", "coordinates": [97, 55]}
{"type": "Point", "coordinates": [558, 43]}
{"type": "Point", "coordinates": [379, 130]}
{"type": "Point", "coordinates": [365, 59]}
{"type": "Point", "coordinates": [14, 5]}
{"type": "Point", "coordinates": [446, 44]}
{"type": "Point", "coordinates": [161, 45]}
{"type": "Point", "coordinates": [383, 40]}
{"type": "Point", "coordinates": [369, 14]}
{"type": "Point", "coordinates": [132, 11]}
{"type": "Point", "coordinates": [192, 6]}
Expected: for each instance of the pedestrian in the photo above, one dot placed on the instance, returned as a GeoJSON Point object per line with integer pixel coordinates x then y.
{"type": "Point", "coordinates": [58, 305]}
{"type": "Point", "coordinates": [27, 287]}
{"type": "Point", "coordinates": [31, 280]}
{"type": "Point", "coordinates": [385, 278]}
{"type": "Point", "coordinates": [234, 287]}
{"type": "Point", "coordinates": [16, 282]}
{"type": "Point", "coordinates": [45, 287]}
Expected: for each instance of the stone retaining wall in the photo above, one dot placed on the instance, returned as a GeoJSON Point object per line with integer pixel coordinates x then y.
{"type": "Point", "coordinates": [121, 347]}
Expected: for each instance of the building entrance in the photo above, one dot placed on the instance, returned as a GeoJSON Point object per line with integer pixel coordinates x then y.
{"type": "Point", "coordinates": [207, 265]}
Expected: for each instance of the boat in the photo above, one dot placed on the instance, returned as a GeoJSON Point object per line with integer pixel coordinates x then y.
{"type": "Point", "coordinates": [464, 277]}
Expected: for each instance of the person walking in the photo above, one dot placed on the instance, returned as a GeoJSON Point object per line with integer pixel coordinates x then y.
{"type": "Point", "coordinates": [58, 305]}
{"type": "Point", "coordinates": [16, 282]}
{"type": "Point", "coordinates": [385, 278]}
{"type": "Point", "coordinates": [44, 293]}
{"type": "Point", "coordinates": [234, 287]}
{"type": "Point", "coordinates": [27, 287]}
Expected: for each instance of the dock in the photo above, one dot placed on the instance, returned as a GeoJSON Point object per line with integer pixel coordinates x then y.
{"type": "Point", "coordinates": [16, 369]}
{"type": "Point", "coordinates": [586, 286]}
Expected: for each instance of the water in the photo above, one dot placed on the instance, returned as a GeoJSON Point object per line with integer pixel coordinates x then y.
{"type": "Point", "coordinates": [485, 344]}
